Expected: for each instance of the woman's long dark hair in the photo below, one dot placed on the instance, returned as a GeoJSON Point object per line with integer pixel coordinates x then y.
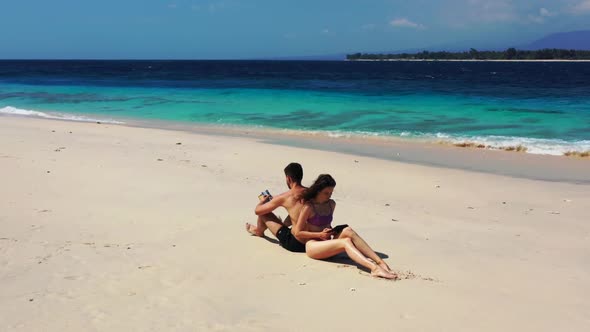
{"type": "Point", "coordinates": [323, 181]}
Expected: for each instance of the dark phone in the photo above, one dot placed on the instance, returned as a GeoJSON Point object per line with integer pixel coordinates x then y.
{"type": "Point", "coordinates": [339, 228]}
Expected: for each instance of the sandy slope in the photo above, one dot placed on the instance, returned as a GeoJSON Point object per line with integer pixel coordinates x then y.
{"type": "Point", "coordinates": [113, 228]}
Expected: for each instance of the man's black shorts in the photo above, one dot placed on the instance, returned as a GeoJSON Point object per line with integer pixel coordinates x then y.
{"type": "Point", "coordinates": [288, 241]}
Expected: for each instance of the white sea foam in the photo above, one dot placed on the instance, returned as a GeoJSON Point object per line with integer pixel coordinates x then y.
{"type": "Point", "coordinates": [534, 145]}
{"type": "Point", "coordinates": [9, 110]}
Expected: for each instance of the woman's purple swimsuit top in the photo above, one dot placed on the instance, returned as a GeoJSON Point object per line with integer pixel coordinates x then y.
{"type": "Point", "coordinates": [320, 221]}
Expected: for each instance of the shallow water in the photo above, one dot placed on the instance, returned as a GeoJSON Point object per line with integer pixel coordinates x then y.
{"type": "Point", "coordinates": [543, 106]}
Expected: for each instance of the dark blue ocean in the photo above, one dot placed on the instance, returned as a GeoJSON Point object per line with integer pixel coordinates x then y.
{"type": "Point", "coordinates": [544, 106]}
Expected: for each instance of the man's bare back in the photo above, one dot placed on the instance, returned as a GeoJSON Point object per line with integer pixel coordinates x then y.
{"type": "Point", "coordinates": [292, 203]}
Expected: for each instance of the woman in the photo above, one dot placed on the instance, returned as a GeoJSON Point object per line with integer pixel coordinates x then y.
{"type": "Point", "coordinates": [313, 228]}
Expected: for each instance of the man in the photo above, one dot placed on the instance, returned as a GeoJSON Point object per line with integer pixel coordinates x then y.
{"type": "Point", "coordinates": [290, 201]}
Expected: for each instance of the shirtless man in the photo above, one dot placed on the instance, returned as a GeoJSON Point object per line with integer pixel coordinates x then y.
{"type": "Point", "coordinates": [290, 201]}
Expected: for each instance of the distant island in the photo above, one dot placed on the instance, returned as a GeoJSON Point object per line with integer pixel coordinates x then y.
{"type": "Point", "coordinates": [473, 54]}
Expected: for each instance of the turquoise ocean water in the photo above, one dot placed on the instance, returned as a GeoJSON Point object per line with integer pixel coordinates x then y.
{"type": "Point", "coordinates": [545, 107]}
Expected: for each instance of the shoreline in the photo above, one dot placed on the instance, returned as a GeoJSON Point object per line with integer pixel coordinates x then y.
{"type": "Point", "coordinates": [406, 150]}
{"type": "Point", "coordinates": [532, 145]}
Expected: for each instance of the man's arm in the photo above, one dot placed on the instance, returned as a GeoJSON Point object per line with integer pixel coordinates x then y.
{"type": "Point", "coordinates": [265, 206]}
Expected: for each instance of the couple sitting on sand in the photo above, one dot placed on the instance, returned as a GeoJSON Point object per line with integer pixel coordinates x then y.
{"type": "Point", "coordinates": [310, 212]}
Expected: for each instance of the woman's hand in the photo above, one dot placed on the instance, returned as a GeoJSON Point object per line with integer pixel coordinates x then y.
{"type": "Point", "coordinates": [326, 234]}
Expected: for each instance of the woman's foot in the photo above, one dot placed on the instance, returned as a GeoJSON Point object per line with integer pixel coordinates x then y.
{"type": "Point", "coordinates": [380, 272]}
{"type": "Point", "coordinates": [384, 265]}
{"type": "Point", "coordinates": [252, 229]}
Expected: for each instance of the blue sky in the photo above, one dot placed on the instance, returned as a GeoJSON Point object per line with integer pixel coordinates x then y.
{"type": "Point", "coordinates": [237, 29]}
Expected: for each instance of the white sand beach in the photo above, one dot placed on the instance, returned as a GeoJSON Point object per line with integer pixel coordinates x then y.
{"type": "Point", "coordinates": [116, 228]}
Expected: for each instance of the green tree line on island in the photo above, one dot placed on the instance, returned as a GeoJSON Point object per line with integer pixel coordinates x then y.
{"type": "Point", "coordinates": [473, 54]}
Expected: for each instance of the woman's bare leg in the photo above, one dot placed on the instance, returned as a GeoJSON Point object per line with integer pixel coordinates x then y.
{"type": "Point", "coordinates": [363, 247]}
{"type": "Point", "coordinates": [329, 248]}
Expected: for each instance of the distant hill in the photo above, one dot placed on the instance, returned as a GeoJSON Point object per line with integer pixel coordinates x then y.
{"type": "Point", "coordinates": [576, 40]}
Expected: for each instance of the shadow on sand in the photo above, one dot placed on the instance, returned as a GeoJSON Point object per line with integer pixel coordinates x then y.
{"type": "Point", "coordinates": [343, 259]}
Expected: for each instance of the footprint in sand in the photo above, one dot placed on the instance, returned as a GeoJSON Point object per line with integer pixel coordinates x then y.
{"type": "Point", "coordinates": [266, 275]}
{"type": "Point", "coordinates": [407, 275]}
{"type": "Point", "coordinates": [404, 275]}
{"type": "Point", "coordinates": [72, 277]}
{"type": "Point", "coordinates": [95, 314]}
{"type": "Point", "coordinates": [8, 239]}
{"type": "Point", "coordinates": [406, 316]}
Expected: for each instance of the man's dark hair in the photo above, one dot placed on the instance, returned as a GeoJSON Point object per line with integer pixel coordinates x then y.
{"type": "Point", "coordinates": [295, 172]}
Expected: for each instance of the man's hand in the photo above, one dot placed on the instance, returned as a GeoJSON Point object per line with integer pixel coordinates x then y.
{"type": "Point", "coordinates": [263, 199]}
